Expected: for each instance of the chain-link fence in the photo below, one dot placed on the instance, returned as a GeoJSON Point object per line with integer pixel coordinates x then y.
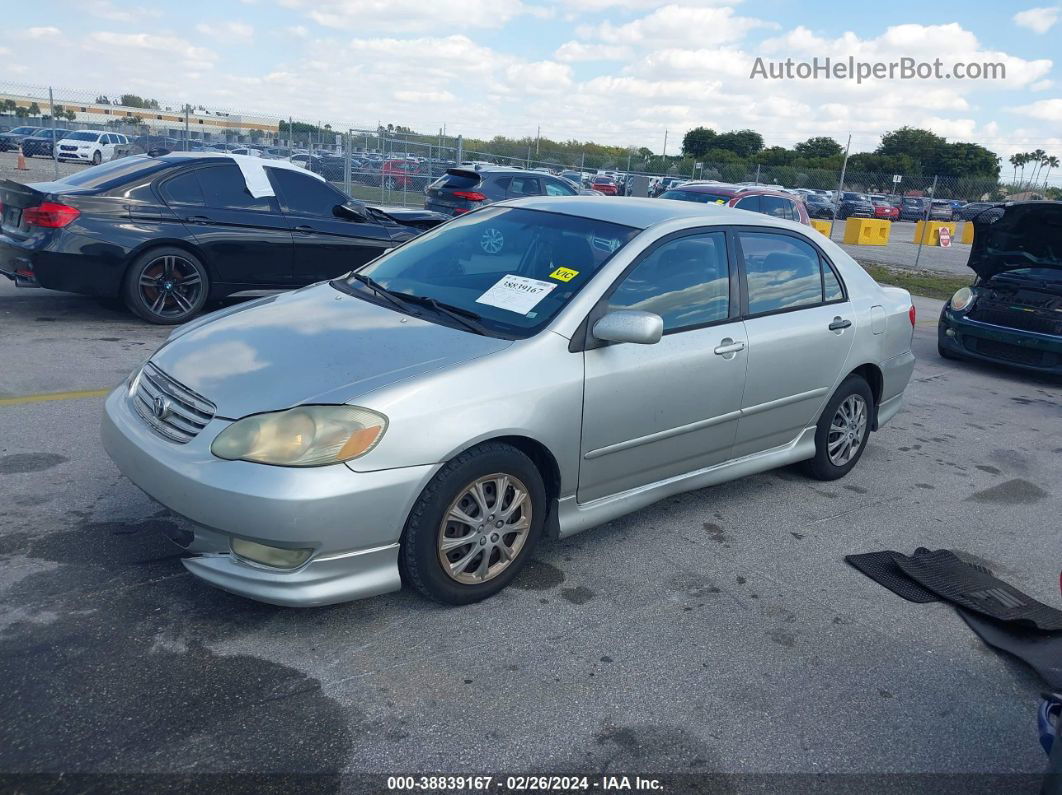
{"type": "Point", "coordinates": [394, 165]}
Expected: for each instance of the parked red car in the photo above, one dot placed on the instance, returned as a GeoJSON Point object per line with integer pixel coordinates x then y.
{"type": "Point", "coordinates": [403, 175]}
{"type": "Point", "coordinates": [758, 200]}
{"type": "Point", "coordinates": [886, 211]}
{"type": "Point", "coordinates": [603, 184]}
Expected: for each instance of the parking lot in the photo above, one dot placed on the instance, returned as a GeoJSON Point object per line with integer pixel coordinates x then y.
{"type": "Point", "coordinates": [716, 632]}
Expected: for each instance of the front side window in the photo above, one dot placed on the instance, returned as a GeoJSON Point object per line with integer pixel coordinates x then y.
{"type": "Point", "coordinates": [686, 281]}
{"type": "Point", "coordinates": [776, 206]}
{"type": "Point", "coordinates": [555, 188]}
{"type": "Point", "coordinates": [301, 194]}
{"type": "Point", "coordinates": [525, 186]}
{"type": "Point", "coordinates": [514, 268]}
{"type": "Point", "coordinates": [783, 272]}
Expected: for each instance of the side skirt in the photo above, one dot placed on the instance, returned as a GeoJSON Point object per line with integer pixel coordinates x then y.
{"type": "Point", "coordinates": [574, 517]}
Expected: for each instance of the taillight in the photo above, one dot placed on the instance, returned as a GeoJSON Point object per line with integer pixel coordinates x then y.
{"type": "Point", "coordinates": [50, 215]}
{"type": "Point", "coordinates": [470, 195]}
{"type": "Point", "coordinates": [911, 313]}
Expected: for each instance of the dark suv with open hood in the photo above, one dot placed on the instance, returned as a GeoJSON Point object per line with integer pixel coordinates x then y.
{"type": "Point", "coordinates": [1012, 313]}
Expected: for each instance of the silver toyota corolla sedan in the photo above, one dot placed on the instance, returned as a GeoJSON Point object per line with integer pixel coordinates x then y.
{"type": "Point", "coordinates": [534, 368]}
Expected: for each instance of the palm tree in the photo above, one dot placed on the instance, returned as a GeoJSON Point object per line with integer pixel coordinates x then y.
{"type": "Point", "coordinates": [1050, 162]}
{"type": "Point", "coordinates": [1036, 157]}
{"type": "Point", "coordinates": [1015, 161]}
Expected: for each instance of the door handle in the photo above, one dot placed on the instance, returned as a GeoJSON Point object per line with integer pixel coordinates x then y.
{"type": "Point", "coordinates": [840, 323]}
{"type": "Point", "coordinates": [304, 228]}
{"type": "Point", "coordinates": [197, 219]}
{"type": "Point", "coordinates": [727, 348]}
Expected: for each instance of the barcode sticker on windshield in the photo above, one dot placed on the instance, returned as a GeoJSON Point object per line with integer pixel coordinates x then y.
{"type": "Point", "coordinates": [516, 293]}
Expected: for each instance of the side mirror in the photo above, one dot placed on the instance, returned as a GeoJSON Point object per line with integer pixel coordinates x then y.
{"type": "Point", "coordinates": [641, 328]}
{"type": "Point", "coordinates": [349, 212]}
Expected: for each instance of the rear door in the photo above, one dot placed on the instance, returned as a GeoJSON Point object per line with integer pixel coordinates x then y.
{"type": "Point", "coordinates": [245, 239]}
{"type": "Point", "coordinates": [520, 186]}
{"type": "Point", "coordinates": [326, 245]}
{"type": "Point", "coordinates": [800, 326]}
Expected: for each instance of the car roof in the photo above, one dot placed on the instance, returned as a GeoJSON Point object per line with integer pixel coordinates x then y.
{"type": "Point", "coordinates": [631, 211]}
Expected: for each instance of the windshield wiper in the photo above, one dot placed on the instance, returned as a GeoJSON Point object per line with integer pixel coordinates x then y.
{"type": "Point", "coordinates": [380, 290]}
{"type": "Point", "coordinates": [465, 317]}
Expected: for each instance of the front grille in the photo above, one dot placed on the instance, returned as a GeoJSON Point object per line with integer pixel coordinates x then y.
{"type": "Point", "coordinates": [1039, 322]}
{"type": "Point", "coordinates": [183, 412]}
{"type": "Point", "coordinates": [1005, 352]}
{"type": "Point", "coordinates": [68, 148]}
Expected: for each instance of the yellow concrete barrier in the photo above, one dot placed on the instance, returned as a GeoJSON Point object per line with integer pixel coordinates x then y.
{"type": "Point", "coordinates": [928, 232]}
{"type": "Point", "coordinates": [866, 232]}
{"type": "Point", "coordinates": [822, 226]}
{"type": "Point", "coordinates": [967, 232]}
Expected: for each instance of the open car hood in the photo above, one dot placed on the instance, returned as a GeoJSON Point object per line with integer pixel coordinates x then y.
{"type": "Point", "coordinates": [1018, 235]}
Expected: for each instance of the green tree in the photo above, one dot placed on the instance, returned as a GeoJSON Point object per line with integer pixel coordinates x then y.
{"type": "Point", "coordinates": [775, 156]}
{"type": "Point", "coordinates": [965, 160]}
{"type": "Point", "coordinates": [698, 141]}
{"type": "Point", "coordinates": [819, 146]}
{"type": "Point", "coordinates": [743, 143]}
{"type": "Point", "coordinates": [34, 109]}
{"type": "Point", "coordinates": [921, 146]}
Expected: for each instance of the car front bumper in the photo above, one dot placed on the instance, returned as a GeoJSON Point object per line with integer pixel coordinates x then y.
{"type": "Point", "coordinates": [351, 520]}
{"type": "Point", "coordinates": [1025, 350]}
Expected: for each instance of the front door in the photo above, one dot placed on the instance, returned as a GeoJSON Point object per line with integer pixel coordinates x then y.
{"type": "Point", "coordinates": [326, 245]}
{"type": "Point", "coordinates": [651, 412]}
{"type": "Point", "coordinates": [800, 328]}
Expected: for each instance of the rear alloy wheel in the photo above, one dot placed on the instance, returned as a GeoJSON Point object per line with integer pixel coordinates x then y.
{"type": "Point", "coordinates": [843, 430]}
{"type": "Point", "coordinates": [475, 525]}
{"type": "Point", "coordinates": [390, 183]}
{"type": "Point", "coordinates": [166, 286]}
{"type": "Point", "coordinates": [97, 157]}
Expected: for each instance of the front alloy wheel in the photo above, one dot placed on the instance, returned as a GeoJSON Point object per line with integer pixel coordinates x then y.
{"type": "Point", "coordinates": [484, 528]}
{"type": "Point", "coordinates": [474, 526]}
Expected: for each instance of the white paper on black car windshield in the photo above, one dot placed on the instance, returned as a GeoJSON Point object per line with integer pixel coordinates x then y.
{"type": "Point", "coordinates": [517, 294]}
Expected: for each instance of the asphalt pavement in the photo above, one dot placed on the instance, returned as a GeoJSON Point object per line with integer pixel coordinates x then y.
{"type": "Point", "coordinates": [719, 632]}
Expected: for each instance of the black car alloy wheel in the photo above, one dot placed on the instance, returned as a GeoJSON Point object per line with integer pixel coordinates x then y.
{"type": "Point", "coordinates": [166, 286]}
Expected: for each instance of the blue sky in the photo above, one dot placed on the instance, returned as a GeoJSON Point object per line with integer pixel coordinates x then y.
{"type": "Point", "coordinates": [617, 71]}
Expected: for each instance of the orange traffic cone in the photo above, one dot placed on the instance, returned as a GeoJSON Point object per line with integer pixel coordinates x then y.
{"type": "Point", "coordinates": [21, 165]}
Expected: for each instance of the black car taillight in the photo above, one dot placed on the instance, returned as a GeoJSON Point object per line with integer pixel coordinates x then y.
{"type": "Point", "coordinates": [50, 215]}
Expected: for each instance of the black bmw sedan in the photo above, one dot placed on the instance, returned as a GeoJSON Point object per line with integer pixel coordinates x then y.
{"type": "Point", "coordinates": [167, 234]}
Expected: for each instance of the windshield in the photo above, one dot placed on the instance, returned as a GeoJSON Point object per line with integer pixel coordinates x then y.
{"type": "Point", "coordinates": [514, 268]}
{"type": "Point", "coordinates": [83, 136]}
{"type": "Point", "coordinates": [696, 196]}
{"type": "Point", "coordinates": [24, 130]}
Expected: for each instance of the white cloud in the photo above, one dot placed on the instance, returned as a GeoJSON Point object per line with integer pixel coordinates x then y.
{"type": "Point", "coordinates": [105, 9]}
{"type": "Point", "coordinates": [424, 96]}
{"type": "Point", "coordinates": [227, 31]}
{"type": "Point", "coordinates": [47, 32]}
{"type": "Point", "coordinates": [572, 51]}
{"type": "Point", "coordinates": [677, 25]}
{"type": "Point", "coordinates": [1038, 20]}
{"type": "Point", "coordinates": [148, 44]}
{"type": "Point", "coordinates": [412, 16]}
{"type": "Point", "coordinates": [1046, 109]}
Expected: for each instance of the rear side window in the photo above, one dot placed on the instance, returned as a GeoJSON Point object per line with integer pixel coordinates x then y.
{"type": "Point", "coordinates": [782, 272]}
{"type": "Point", "coordinates": [301, 194]}
{"type": "Point", "coordinates": [750, 203]}
{"type": "Point", "coordinates": [525, 186]}
{"type": "Point", "coordinates": [777, 207]}
{"type": "Point", "coordinates": [686, 281]}
{"type": "Point", "coordinates": [224, 187]}
{"type": "Point", "coordinates": [183, 189]}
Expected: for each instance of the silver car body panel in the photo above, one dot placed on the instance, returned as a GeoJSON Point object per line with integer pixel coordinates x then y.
{"type": "Point", "coordinates": [624, 424]}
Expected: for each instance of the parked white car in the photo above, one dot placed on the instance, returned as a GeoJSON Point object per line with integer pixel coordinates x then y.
{"type": "Point", "coordinates": [90, 146]}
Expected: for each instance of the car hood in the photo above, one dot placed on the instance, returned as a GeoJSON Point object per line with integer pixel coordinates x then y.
{"type": "Point", "coordinates": [1023, 235]}
{"type": "Point", "coordinates": [315, 345]}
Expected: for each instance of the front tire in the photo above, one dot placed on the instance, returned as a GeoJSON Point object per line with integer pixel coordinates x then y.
{"type": "Point", "coordinates": [166, 286]}
{"type": "Point", "coordinates": [843, 430]}
{"type": "Point", "coordinates": [475, 526]}
{"type": "Point", "coordinates": [97, 158]}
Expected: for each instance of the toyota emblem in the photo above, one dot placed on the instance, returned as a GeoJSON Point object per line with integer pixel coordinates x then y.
{"type": "Point", "coordinates": [160, 406]}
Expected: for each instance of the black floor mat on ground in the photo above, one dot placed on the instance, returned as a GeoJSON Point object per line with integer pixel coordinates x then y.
{"type": "Point", "coordinates": [881, 568]}
{"type": "Point", "coordinates": [1041, 651]}
{"type": "Point", "coordinates": [974, 588]}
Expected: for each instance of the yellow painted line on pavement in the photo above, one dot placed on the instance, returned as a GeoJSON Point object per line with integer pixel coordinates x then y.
{"type": "Point", "coordinates": [46, 396]}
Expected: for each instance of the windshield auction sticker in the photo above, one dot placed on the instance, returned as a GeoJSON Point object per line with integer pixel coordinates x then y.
{"type": "Point", "coordinates": [516, 293]}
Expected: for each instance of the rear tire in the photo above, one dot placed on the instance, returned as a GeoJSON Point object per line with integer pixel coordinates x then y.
{"type": "Point", "coordinates": [843, 430]}
{"type": "Point", "coordinates": [166, 286]}
{"type": "Point", "coordinates": [493, 556]}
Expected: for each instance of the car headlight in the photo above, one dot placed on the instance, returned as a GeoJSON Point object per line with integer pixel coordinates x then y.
{"type": "Point", "coordinates": [306, 436]}
{"type": "Point", "coordinates": [963, 299]}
